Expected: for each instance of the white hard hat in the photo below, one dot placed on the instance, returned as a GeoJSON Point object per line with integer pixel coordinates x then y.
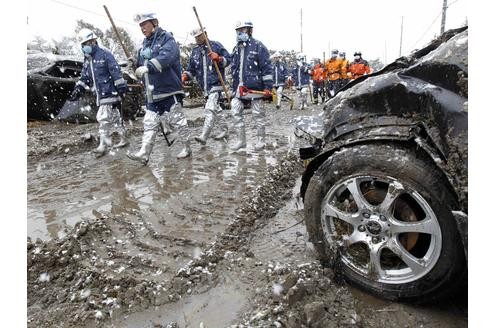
{"type": "Point", "coordinates": [241, 24]}
{"type": "Point", "coordinates": [276, 55]}
{"type": "Point", "coordinates": [86, 34]}
{"type": "Point", "coordinates": [301, 56]}
{"type": "Point", "coordinates": [140, 18]}
{"type": "Point", "coordinates": [197, 32]}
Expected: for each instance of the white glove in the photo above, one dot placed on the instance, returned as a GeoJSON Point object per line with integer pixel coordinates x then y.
{"type": "Point", "coordinates": [140, 71]}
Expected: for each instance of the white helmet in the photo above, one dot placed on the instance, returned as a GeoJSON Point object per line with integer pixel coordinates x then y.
{"type": "Point", "coordinates": [276, 55]}
{"type": "Point", "coordinates": [140, 18]}
{"type": "Point", "coordinates": [197, 32]}
{"type": "Point", "coordinates": [301, 56]}
{"type": "Point", "coordinates": [241, 24]}
{"type": "Point", "coordinates": [85, 34]}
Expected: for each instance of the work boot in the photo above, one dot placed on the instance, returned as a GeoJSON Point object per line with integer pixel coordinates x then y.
{"type": "Point", "coordinates": [186, 151]}
{"type": "Point", "coordinates": [260, 144]}
{"type": "Point", "coordinates": [241, 142]}
{"type": "Point", "coordinates": [143, 155]}
{"type": "Point", "coordinates": [277, 107]}
{"type": "Point", "coordinates": [222, 134]}
{"type": "Point", "coordinates": [105, 143]}
{"type": "Point", "coordinates": [123, 141]}
{"type": "Point", "coordinates": [204, 135]}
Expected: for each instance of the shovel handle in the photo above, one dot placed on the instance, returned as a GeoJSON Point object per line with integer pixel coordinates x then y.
{"type": "Point", "coordinates": [128, 55]}
{"type": "Point", "coordinates": [214, 63]}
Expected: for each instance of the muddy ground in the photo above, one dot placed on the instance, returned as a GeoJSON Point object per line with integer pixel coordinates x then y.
{"type": "Point", "coordinates": [209, 241]}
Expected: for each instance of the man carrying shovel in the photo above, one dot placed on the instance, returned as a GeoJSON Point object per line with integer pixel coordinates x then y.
{"type": "Point", "coordinates": [251, 69]}
{"type": "Point", "coordinates": [159, 66]}
{"type": "Point", "coordinates": [103, 76]}
{"type": "Point", "coordinates": [200, 66]}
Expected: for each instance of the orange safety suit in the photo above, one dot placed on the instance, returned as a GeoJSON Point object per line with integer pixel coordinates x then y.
{"type": "Point", "coordinates": [335, 69]}
{"type": "Point", "coordinates": [319, 73]}
{"type": "Point", "coordinates": [359, 68]}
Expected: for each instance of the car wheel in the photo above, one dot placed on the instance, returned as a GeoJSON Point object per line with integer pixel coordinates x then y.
{"type": "Point", "coordinates": [380, 214]}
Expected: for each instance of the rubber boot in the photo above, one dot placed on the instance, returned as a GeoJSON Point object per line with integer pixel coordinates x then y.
{"type": "Point", "coordinates": [186, 151]}
{"type": "Point", "coordinates": [143, 155]}
{"type": "Point", "coordinates": [105, 143]}
{"type": "Point", "coordinates": [222, 134]}
{"type": "Point", "coordinates": [241, 142]}
{"type": "Point", "coordinates": [204, 135]}
{"type": "Point", "coordinates": [260, 143]}
{"type": "Point", "coordinates": [123, 140]}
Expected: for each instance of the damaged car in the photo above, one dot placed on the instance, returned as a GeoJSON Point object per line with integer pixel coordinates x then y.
{"type": "Point", "coordinates": [385, 184]}
{"type": "Point", "coordinates": [50, 81]}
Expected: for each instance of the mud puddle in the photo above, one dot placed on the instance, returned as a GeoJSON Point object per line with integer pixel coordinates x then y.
{"type": "Point", "coordinates": [63, 190]}
{"type": "Point", "coordinates": [217, 307]}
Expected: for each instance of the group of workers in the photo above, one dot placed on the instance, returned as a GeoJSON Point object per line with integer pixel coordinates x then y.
{"type": "Point", "coordinates": [325, 79]}
{"type": "Point", "coordinates": [157, 64]}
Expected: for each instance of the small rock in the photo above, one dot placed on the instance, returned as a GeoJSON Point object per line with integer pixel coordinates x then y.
{"type": "Point", "coordinates": [290, 281]}
{"type": "Point", "coordinates": [314, 312]}
{"type": "Point", "coordinates": [87, 137]}
{"type": "Point", "coordinates": [329, 273]}
{"type": "Point", "coordinates": [296, 294]}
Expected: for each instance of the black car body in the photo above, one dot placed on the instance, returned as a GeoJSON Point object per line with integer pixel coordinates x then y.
{"type": "Point", "coordinates": [50, 81]}
{"type": "Point", "coordinates": [399, 135]}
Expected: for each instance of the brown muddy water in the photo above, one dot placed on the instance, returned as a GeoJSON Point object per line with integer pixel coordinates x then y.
{"type": "Point", "coordinates": [63, 190]}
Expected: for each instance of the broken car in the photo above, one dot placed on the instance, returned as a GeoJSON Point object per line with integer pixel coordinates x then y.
{"type": "Point", "coordinates": [385, 186]}
{"type": "Point", "coordinates": [50, 81]}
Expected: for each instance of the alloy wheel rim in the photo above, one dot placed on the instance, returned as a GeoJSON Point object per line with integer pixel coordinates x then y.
{"type": "Point", "coordinates": [385, 230]}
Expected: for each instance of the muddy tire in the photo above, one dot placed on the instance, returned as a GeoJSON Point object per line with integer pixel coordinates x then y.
{"type": "Point", "coordinates": [380, 215]}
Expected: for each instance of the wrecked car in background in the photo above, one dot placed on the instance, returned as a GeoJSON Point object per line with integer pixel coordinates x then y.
{"type": "Point", "coordinates": [385, 185]}
{"type": "Point", "coordinates": [50, 81]}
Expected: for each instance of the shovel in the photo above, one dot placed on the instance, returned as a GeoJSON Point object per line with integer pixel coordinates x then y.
{"type": "Point", "coordinates": [244, 91]}
{"type": "Point", "coordinates": [74, 108]}
{"type": "Point", "coordinates": [169, 143]}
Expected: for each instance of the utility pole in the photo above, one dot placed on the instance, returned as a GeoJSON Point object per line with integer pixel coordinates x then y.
{"type": "Point", "coordinates": [401, 29]}
{"type": "Point", "coordinates": [301, 33]}
{"type": "Point", "coordinates": [444, 14]}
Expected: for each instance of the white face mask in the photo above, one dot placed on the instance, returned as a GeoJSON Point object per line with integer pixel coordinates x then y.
{"type": "Point", "coordinates": [242, 36]}
{"type": "Point", "coordinates": [87, 49]}
{"type": "Point", "coordinates": [357, 57]}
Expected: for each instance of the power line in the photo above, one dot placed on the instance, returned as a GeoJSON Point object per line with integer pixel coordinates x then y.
{"type": "Point", "coordinates": [91, 12]}
{"type": "Point", "coordinates": [101, 15]}
{"type": "Point", "coordinates": [427, 30]}
{"type": "Point", "coordinates": [431, 25]}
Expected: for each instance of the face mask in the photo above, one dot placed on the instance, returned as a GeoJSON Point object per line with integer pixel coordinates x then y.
{"type": "Point", "coordinates": [357, 57]}
{"type": "Point", "coordinates": [242, 36]}
{"type": "Point", "coordinates": [146, 53]}
{"type": "Point", "coordinates": [86, 49]}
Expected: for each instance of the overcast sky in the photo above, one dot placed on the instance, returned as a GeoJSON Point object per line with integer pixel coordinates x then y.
{"type": "Point", "coordinates": [370, 26]}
